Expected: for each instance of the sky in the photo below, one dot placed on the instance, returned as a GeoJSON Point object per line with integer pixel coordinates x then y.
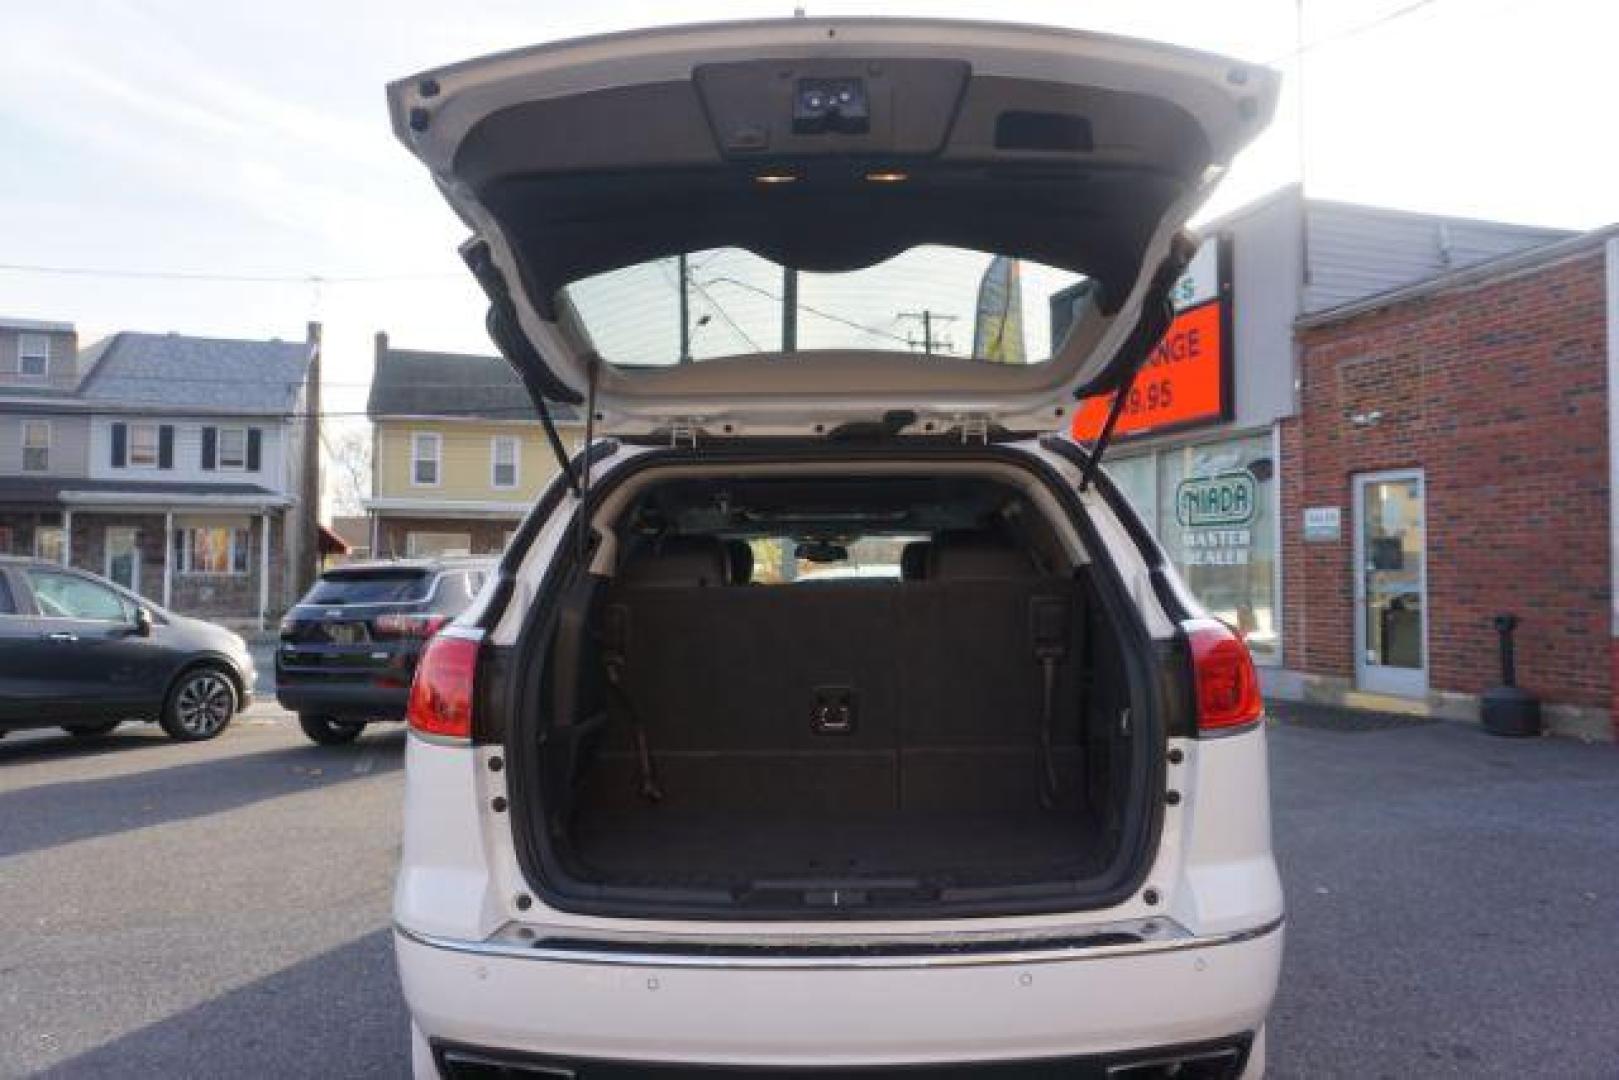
{"type": "Point", "coordinates": [228, 169]}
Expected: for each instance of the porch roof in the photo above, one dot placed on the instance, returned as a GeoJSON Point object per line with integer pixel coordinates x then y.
{"type": "Point", "coordinates": [64, 491]}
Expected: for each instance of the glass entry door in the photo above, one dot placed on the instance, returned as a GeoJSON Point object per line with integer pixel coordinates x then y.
{"type": "Point", "coordinates": [123, 557]}
{"type": "Point", "coordinates": [1391, 603]}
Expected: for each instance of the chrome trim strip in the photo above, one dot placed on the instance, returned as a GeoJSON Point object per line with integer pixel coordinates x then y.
{"type": "Point", "coordinates": [1171, 938]}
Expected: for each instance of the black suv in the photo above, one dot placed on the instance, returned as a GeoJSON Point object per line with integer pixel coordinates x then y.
{"type": "Point", "coordinates": [78, 652]}
{"type": "Point", "coordinates": [349, 648]}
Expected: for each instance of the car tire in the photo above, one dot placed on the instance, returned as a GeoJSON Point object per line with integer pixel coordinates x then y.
{"type": "Point", "coordinates": [200, 706]}
{"type": "Point", "coordinates": [329, 730]}
{"type": "Point", "coordinates": [91, 731]}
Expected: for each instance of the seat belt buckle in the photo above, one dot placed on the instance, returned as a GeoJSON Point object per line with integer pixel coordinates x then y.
{"type": "Point", "coordinates": [1048, 627]}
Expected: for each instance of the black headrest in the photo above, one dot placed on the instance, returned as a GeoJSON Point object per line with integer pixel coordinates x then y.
{"type": "Point", "coordinates": [739, 557]}
{"type": "Point", "coordinates": [913, 560]}
{"type": "Point", "coordinates": [680, 562]}
{"type": "Point", "coordinates": [976, 556]}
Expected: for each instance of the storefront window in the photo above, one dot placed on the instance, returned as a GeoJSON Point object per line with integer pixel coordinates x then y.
{"type": "Point", "coordinates": [1216, 521]}
{"type": "Point", "coordinates": [1137, 480]}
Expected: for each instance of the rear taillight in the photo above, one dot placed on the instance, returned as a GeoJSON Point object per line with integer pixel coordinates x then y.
{"type": "Point", "coordinates": [1225, 683]}
{"type": "Point", "coordinates": [441, 695]}
{"type": "Point", "coordinates": [407, 626]}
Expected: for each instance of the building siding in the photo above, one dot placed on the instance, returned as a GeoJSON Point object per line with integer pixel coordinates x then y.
{"type": "Point", "coordinates": [63, 370]}
{"type": "Point", "coordinates": [272, 473]}
{"type": "Point", "coordinates": [70, 442]}
{"type": "Point", "coordinates": [465, 463]}
{"type": "Point", "coordinates": [1359, 251]}
{"type": "Point", "coordinates": [1265, 290]}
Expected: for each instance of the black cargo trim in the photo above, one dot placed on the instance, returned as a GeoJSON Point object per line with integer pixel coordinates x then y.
{"type": "Point", "coordinates": [1211, 1059]}
{"type": "Point", "coordinates": [1174, 668]}
{"type": "Point", "coordinates": [1143, 818]}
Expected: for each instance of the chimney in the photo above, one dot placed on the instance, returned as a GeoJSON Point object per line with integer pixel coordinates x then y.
{"type": "Point", "coordinates": [307, 551]}
{"type": "Point", "coordinates": [382, 345]}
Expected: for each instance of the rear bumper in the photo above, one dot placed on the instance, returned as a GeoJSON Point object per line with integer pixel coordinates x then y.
{"type": "Point", "coordinates": [1212, 1060]}
{"type": "Point", "coordinates": [1090, 1010]}
{"type": "Point", "coordinates": [346, 698]}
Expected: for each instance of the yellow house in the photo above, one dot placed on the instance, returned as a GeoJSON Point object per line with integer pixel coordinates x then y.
{"type": "Point", "coordinates": [457, 455]}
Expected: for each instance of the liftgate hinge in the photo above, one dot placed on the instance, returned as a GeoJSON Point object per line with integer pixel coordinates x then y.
{"type": "Point", "coordinates": [975, 429]}
{"type": "Point", "coordinates": [683, 431]}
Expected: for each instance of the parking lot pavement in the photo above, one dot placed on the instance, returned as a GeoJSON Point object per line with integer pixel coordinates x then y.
{"type": "Point", "coordinates": [1452, 901]}
{"type": "Point", "coordinates": [222, 909]}
{"type": "Point", "coordinates": [216, 909]}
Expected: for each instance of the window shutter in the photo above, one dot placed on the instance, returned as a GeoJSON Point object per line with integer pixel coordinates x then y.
{"type": "Point", "coordinates": [210, 447]}
{"type": "Point", "coordinates": [165, 446]}
{"type": "Point", "coordinates": [255, 448]}
{"type": "Point", "coordinates": [120, 445]}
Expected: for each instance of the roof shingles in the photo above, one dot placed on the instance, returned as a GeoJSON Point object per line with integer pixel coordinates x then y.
{"type": "Point", "coordinates": [408, 382]}
{"type": "Point", "coordinates": [199, 373]}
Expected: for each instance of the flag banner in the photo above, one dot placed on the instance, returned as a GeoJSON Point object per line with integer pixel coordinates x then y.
{"type": "Point", "coordinates": [998, 322]}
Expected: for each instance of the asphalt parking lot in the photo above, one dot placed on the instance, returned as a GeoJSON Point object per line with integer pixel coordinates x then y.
{"type": "Point", "coordinates": [221, 910]}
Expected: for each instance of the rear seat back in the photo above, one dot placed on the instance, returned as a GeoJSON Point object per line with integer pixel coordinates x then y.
{"type": "Point", "coordinates": [943, 662]}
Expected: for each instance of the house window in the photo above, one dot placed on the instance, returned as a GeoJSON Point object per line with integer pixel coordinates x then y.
{"type": "Point", "coordinates": [143, 446]}
{"type": "Point", "coordinates": [50, 543]}
{"type": "Point", "coordinates": [212, 550]}
{"type": "Point", "coordinates": [425, 448]}
{"type": "Point", "coordinates": [503, 461]}
{"type": "Point", "coordinates": [33, 355]}
{"type": "Point", "coordinates": [232, 448]}
{"type": "Point", "coordinates": [36, 445]}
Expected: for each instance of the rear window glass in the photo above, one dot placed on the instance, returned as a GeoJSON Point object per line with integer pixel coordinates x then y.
{"type": "Point", "coordinates": [788, 561]}
{"type": "Point", "coordinates": [370, 587]}
{"type": "Point", "coordinates": [937, 300]}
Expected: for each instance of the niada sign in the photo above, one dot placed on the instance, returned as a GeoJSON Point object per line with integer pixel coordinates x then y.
{"type": "Point", "coordinates": [1223, 500]}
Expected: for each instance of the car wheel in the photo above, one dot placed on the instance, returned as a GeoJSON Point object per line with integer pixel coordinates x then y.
{"type": "Point", "coordinates": [329, 730]}
{"type": "Point", "coordinates": [90, 731]}
{"type": "Point", "coordinates": [200, 706]}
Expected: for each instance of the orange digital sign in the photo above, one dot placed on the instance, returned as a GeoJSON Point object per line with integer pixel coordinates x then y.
{"type": "Point", "coordinates": [1184, 382]}
{"type": "Point", "coordinates": [1187, 380]}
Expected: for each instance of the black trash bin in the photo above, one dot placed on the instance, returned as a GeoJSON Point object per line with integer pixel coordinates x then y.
{"type": "Point", "coordinates": [1508, 709]}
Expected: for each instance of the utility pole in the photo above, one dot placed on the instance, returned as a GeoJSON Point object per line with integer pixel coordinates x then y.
{"type": "Point", "coordinates": [789, 309]}
{"type": "Point", "coordinates": [930, 337]}
{"type": "Point", "coordinates": [305, 521]}
{"type": "Point", "coordinates": [685, 314]}
{"type": "Point", "coordinates": [1299, 49]}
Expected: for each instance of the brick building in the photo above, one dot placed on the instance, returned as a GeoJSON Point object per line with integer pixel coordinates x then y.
{"type": "Point", "coordinates": [1450, 461]}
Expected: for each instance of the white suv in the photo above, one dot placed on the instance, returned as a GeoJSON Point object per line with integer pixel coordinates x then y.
{"type": "Point", "coordinates": [831, 711]}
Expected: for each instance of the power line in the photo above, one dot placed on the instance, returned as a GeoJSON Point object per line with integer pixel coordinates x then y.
{"type": "Point", "coordinates": [1350, 32]}
{"type": "Point", "coordinates": [242, 279]}
{"type": "Point", "coordinates": [852, 324]}
{"type": "Point", "coordinates": [133, 409]}
{"type": "Point", "coordinates": [725, 315]}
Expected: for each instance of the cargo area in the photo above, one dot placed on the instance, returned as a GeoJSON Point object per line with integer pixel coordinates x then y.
{"type": "Point", "coordinates": [833, 695]}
